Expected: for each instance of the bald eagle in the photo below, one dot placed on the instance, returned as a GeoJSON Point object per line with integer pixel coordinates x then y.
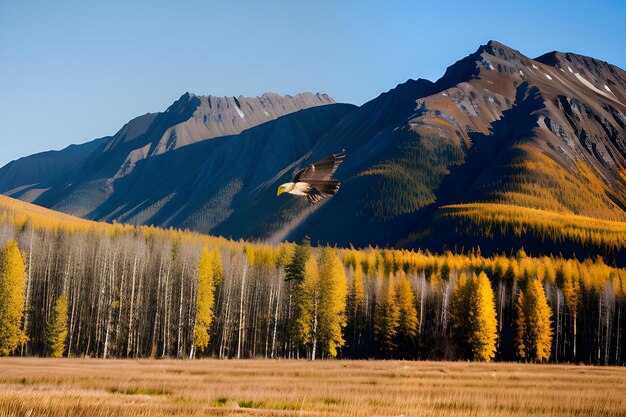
{"type": "Point", "coordinates": [313, 181]}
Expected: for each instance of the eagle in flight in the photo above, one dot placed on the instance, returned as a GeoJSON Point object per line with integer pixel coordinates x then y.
{"type": "Point", "coordinates": [313, 181]}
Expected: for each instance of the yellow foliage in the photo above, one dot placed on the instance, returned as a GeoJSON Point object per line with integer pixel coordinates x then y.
{"type": "Point", "coordinates": [205, 300]}
{"type": "Point", "coordinates": [387, 318]}
{"type": "Point", "coordinates": [322, 302]}
{"type": "Point", "coordinates": [473, 315]}
{"type": "Point", "coordinates": [519, 221]}
{"type": "Point", "coordinates": [57, 328]}
{"type": "Point", "coordinates": [407, 321]}
{"type": "Point", "coordinates": [534, 334]}
{"type": "Point", "coordinates": [12, 286]}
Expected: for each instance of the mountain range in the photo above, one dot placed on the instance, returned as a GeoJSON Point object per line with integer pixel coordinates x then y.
{"type": "Point", "coordinates": [503, 151]}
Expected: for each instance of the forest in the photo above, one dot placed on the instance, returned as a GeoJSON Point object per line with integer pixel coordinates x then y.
{"type": "Point", "coordinates": [75, 288]}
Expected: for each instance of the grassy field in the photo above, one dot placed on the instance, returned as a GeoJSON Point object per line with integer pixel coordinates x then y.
{"type": "Point", "coordinates": [89, 387]}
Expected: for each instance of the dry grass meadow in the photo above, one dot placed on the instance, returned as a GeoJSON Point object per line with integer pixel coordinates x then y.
{"type": "Point", "coordinates": [91, 387]}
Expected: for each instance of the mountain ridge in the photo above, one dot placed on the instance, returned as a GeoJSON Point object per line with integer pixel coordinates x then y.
{"type": "Point", "coordinates": [497, 128]}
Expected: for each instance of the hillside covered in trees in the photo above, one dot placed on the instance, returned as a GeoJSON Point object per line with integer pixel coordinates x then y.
{"type": "Point", "coordinates": [73, 287]}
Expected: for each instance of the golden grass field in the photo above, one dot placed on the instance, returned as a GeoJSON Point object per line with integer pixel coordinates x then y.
{"type": "Point", "coordinates": [93, 387]}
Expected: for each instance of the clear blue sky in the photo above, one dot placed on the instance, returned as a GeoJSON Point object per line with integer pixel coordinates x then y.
{"type": "Point", "coordinates": [74, 71]}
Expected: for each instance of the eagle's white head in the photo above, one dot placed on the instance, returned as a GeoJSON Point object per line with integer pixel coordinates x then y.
{"type": "Point", "coordinates": [285, 188]}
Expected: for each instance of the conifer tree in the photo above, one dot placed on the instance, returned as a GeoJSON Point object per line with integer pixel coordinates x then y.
{"type": "Point", "coordinates": [473, 315]}
{"type": "Point", "coordinates": [534, 334]}
{"type": "Point", "coordinates": [205, 300]}
{"type": "Point", "coordinates": [57, 328]}
{"type": "Point", "coordinates": [12, 287]}
{"type": "Point", "coordinates": [294, 270]}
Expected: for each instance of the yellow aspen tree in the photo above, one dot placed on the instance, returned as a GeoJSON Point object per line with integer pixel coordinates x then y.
{"type": "Point", "coordinates": [322, 304]}
{"type": "Point", "coordinates": [57, 328]}
{"type": "Point", "coordinates": [308, 305]}
{"type": "Point", "coordinates": [334, 291]}
{"type": "Point", "coordinates": [12, 287]}
{"type": "Point", "coordinates": [204, 302]}
{"type": "Point", "coordinates": [387, 319]}
{"type": "Point", "coordinates": [534, 334]}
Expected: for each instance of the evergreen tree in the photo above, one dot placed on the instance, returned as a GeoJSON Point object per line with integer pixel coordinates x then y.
{"type": "Point", "coordinates": [294, 270]}
{"type": "Point", "coordinates": [445, 271]}
{"type": "Point", "coordinates": [57, 328]}
{"type": "Point", "coordinates": [473, 315]}
{"type": "Point", "coordinates": [205, 300]}
{"type": "Point", "coordinates": [534, 334]}
{"type": "Point", "coordinates": [12, 287]}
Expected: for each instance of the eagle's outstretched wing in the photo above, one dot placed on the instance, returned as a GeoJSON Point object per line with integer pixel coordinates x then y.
{"type": "Point", "coordinates": [321, 170]}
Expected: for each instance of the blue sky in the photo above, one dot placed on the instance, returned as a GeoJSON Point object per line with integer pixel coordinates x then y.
{"type": "Point", "coordinates": [74, 71]}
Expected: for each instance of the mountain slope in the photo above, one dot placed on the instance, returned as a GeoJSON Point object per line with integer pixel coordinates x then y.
{"type": "Point", "coordinates": [23, 178]}
{"type": "Point", "coordinates": [99, 179]}
{"type": "Point", "coordinates": [499, 134]}
{"type": "Point", "coordinates": [498, 127]}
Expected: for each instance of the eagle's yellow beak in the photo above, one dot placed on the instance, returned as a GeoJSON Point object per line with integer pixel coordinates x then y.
{"type": "Point", "coordinates": [281, 189]}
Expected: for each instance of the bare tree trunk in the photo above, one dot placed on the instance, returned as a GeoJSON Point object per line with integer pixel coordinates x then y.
{"type": "Point", "coordinates": [129, 338]}
{"type": "Point", "coordinates": [618, 344]}
{"type": "Point", "coordinates": [558, 323]}
{"type": "Point", "coordinates": [28, 286]}
{"type": "Point", "coordinates": [599, 336]}
{"type": "Point", "coordinates": [314, 330]}
{"type": "Point", "coordinates": [166, 324]}
{"type": "Point", "coordinates": [179, 351]}
{"type": "Point", "coordinates": [423, 282]}
{"type": "Point", "coordinates": [273, 354]}
{"type": "Point", "coordinates": [574, 317]}
{"type": "Point", "coordinates": [241, 313]}
{"type": "Point", "coordinates": [109, 308]}
{"type": "Point", "coordinates": [157, 316]}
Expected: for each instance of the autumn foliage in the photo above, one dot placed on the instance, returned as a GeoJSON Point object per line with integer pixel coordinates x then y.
{"type": "Point", "coordinates": [147, 292]}
{"type": "Point", "coordinates": [12, 288]}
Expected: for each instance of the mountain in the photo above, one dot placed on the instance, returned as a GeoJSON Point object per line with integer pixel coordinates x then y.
{"type": "Point", "coordinates": [108, 168]}
{"type": "Point", "coordinates": [503, 151]}
{"type": "Point", "coordinates": [24, 177]}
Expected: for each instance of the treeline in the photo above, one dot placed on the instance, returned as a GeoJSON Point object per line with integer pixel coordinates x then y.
{"type": "Point", "coordinates": [497, 220]}
{"type": "Point", "coordinates": [116, 291]}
